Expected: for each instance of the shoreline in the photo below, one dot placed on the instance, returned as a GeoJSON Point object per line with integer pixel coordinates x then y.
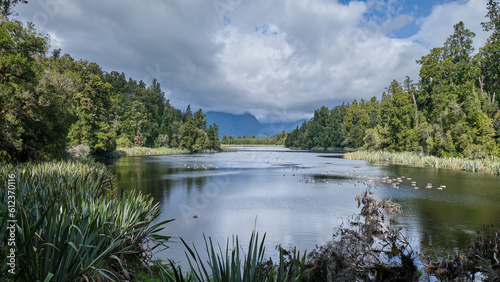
{"type": "Point", "coordinates": [145, 151]}
{"type": "Point", "coordinates": [489, 165]}
{"type": "Point", "coordinates": [250, 145]}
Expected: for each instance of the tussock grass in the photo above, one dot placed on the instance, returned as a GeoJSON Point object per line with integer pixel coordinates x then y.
{"type": "Point", "coordinates": [488, 165]}
{"type": "Point", "coordinates": [145, 151]}
{"type": "Point", "coordinates": [72, 225]}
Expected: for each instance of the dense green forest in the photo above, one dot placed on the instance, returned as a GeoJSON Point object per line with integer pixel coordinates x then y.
{"type": "Point", "coordinates": [453, 109]}
{"type": "Point", "coordinates": [49, 101]}
{"type": "Point", "coordinates": [277, 139]}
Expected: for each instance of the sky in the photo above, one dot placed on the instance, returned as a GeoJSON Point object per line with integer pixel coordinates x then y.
{"type": "Point", "coordinates": [276, 59]}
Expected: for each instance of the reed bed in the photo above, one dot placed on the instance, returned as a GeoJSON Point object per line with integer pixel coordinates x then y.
{"type": "Point", "coordinates": [72, 225]}
{"type": "Point", "coordinates": [145, 151]}
{"type": "Point", "coordinates": [488, 165]}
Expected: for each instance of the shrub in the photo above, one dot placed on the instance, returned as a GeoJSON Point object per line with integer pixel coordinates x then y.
{"type": "Point", "coordinates": [367, 249]}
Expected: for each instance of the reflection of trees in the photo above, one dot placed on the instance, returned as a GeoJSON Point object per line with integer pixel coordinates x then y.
{"type": "Point", "coordinates": [445, 224]}
{"type": "Point", "coordinates": [149, 178]}
{"type": "Point", "coordinates": [448, 218]}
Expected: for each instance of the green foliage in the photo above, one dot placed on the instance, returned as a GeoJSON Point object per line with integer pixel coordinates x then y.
{"type": "Point", "coordinates": [29, 122]}
{"type": "Point", "coordinates": [93, 103]}
{"type": "Point", "coordinates": [72, 225]}
{"type": "Point", "coordinates": [233, 265]}
{"type": "Point", "coordinates": [489, 164]}
{"type": "Point", "coordinates": [452, 111]}
{"type": "Point", "coordinates": [6, 6]}
{"type": "Point", "coordinates": [50, 102]}
{"type": "Point", "coordinates": [278, 139]}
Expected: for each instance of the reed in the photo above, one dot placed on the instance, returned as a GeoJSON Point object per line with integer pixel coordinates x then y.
{"type": "Point", "coordinates": [72, 225]}
{"type": "Point", "coordinates": [488, 165]}
{"type": "Point", "coordinates": [145, 151]}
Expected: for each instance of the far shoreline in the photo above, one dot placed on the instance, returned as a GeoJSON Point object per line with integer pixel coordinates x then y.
{"type": "Point", "coordinates": [490, 165]}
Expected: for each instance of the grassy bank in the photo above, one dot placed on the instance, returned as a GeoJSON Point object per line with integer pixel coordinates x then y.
{"type": "Point", "coordinates": [145, 151]}
{"type": "Point", "coordinates": [488, 165]}
{"type": "Point", "coordinates": [72, 225]}
{"type": "Point", "coordinates": [249, 145]}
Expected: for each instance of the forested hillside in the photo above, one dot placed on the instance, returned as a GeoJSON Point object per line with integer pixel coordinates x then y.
{"type": "Point", "coordinates": [49, 101]}
{"type": "Point", "coordinates": [453, 109]}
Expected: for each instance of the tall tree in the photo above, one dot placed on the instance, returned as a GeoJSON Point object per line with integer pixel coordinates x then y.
{"type": "Point", "coordinates": [93, 127]}
{"type": "Point", "coordinates": [490, 53]}
{"type": "Point", "coordinates": [7, 5]}
{"type": "Point", "coordinates": [21, 107]}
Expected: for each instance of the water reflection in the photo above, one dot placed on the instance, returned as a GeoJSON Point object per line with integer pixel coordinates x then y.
{"type": "Point", "coordinates": [298, 198]}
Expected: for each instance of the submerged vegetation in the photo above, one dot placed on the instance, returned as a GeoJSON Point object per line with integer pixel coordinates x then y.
{"type": "Point", "coordinates": [73, 225]}
{"type": "Point", "coordinates": [489, 164]}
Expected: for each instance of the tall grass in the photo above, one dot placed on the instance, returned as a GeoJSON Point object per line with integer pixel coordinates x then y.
{"type": "Point", "coordinates": [489, 165]}
{"type": "Point", "coordinates": [145, 151]}
{"type": "Point", "coordinates": [72, 225]}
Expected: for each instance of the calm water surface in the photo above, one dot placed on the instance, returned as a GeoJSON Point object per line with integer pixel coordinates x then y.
{"type": "Point", "coordinates": [299, 198]}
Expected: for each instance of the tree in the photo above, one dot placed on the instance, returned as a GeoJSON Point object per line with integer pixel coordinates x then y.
{"type": "Point", "coordinates": [22, 109]}
{"type": "Point", "coordinates": [200, 120]}
{"type": "Point", "coordinates": [490, 53]}
{"type": "Point", "coordinates": [94, 104]}
{"type": "Point", "coordinates": [398, 131]}
{"type": "Point", "coordinates": [7, 5]}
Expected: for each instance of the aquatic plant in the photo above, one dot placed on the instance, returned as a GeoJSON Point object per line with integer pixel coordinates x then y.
{"type": "Point", "coordinates": [232, 265]}
{"type": "Point", "coordinates": [145, 151]}
{"type": "Point", "coordinates": [72, 224]}
{"type": "Point", "coordinates": [489, 164]}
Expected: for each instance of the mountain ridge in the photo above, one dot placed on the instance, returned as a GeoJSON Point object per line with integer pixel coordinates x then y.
{"type": "Point", "coordinates": [239, 125]}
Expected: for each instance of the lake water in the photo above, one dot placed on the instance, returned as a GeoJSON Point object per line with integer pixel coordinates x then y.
{"type": "Point", "coordinates": [299, 198]}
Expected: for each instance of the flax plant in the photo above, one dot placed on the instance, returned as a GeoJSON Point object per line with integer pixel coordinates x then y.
{"type": "Point", "coordinates": [72, 225]}
{"type": "Point", "coordinates": [231, 264]}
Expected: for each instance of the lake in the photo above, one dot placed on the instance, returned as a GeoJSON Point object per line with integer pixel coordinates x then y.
{"type": "Point", "coordinates": [299, 198]}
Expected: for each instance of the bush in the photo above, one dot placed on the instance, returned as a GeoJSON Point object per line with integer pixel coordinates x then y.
{"type": "Point", "coordinates": [367, 249]}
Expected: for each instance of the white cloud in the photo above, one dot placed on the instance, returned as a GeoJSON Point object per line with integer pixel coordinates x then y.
{"type": "Point", "coordinates": [278, 59]}
{"type": "Point", "coordinates": [438, 26]}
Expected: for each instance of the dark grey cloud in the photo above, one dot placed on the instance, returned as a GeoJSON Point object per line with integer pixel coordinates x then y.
{"type": "Point", "coordinates": [277, 59]}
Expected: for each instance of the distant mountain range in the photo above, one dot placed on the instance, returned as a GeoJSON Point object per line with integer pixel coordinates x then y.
{"type": "Point", "coordinates": [238, 125]}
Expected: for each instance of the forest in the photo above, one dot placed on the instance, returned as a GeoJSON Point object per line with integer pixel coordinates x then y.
{"type": "Point", "coordinates": [73, 223]}
{"type": "Point", "coordinates": [452, 110]}
{"type": "Point", "coordinates": [277, 139]}
{"type": "Point", "coordinates": [50, 101]}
